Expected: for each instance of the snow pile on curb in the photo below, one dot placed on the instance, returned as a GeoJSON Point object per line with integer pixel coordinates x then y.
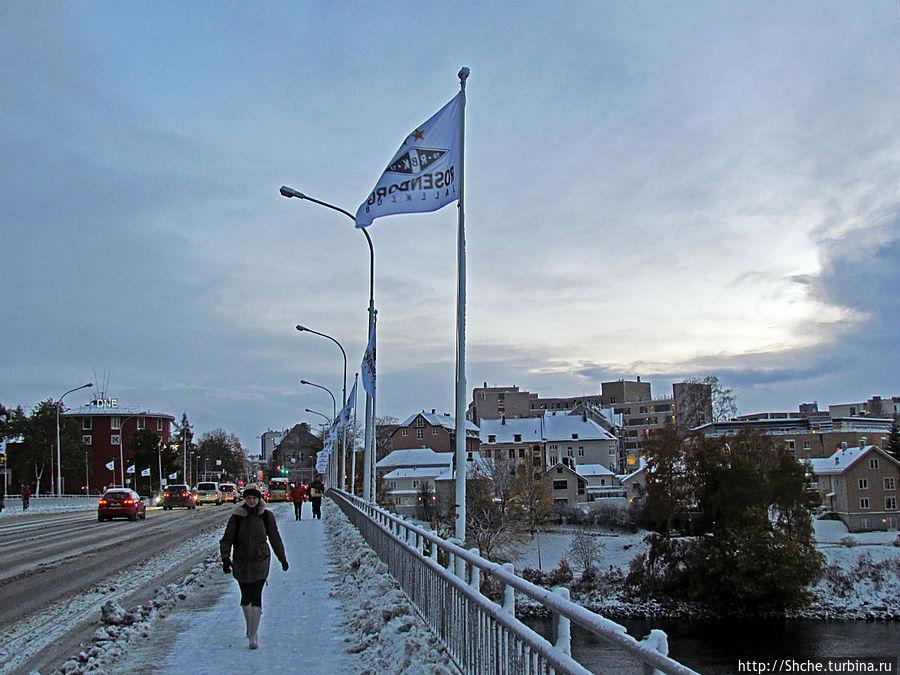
{"type": "Point", "coordinates": [382, 627]}
{"type": "Point", "coordinates": [122, 626]}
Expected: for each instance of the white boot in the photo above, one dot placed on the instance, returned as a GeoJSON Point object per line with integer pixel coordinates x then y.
{"type": "Point", "coordinates": [246, 610]}
{"type": "Point", "coordinates": [253, 625]}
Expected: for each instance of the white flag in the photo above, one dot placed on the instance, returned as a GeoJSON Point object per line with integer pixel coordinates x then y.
{"type": "Point", "coordinates": [423, 175]}
{"type": "Point", "coordinates": [368, 365]}
{"type": "Point", "coordinates": [130, 469]}
{"type": "Point", "coordinates": [344, 417]}
{"type": "Point", "coordinates": [173, 476]}
{"type": "Point", "coordinates": [111, 465]}
{"type": "Point", "coordinates": [145, 472]}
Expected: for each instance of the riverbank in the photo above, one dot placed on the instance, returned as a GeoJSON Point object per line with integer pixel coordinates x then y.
{"type": "Point", "coordinates": [858, 582]}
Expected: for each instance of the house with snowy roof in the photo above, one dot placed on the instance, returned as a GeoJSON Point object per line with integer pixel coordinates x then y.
{"type": "Point", "coordinates": [553, 438]}
{"type": "Point", "coordinates": [408, 476]}
{"type": "Point", "coordinates": [432, 430]}
{"type": "Point", "coordinates": [635, 480]}
{"type": "Point", "coordinates": [566, 486]}
{"type": "Point", "coordinates": [859, 485]}
{"type": "Point", "coordinates": [601, 482]}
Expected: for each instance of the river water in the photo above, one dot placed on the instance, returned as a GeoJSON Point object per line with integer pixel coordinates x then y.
{"type": "Point", "coordinates": [715, 646]}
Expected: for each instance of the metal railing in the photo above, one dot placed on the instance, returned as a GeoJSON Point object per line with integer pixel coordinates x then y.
{"type": "Point", "coordinates": [443, 581]}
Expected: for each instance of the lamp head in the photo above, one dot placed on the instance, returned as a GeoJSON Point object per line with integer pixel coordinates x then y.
{"type": "Point", "coordinates": [303, 382]}
{"type": "Point", "coordinates": [290, 192]}
{"type": "Point", "coordinates": [301, 328]}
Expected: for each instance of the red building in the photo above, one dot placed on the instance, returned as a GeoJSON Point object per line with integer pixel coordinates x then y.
{"type": "Point", "coordinates": [106, 430]}
{"type": "Point", "coordinates": [432, 430]}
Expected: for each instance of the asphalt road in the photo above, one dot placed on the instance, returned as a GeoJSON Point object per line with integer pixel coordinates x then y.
{"type": "Point", "coordinates": [54, 565]}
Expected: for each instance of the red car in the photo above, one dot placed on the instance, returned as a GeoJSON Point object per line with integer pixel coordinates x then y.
{"type": "Point", "coordinates": [121, 503]}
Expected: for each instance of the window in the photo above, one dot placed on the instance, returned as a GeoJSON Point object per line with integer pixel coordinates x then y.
{"type": "Point", "coordinates": [115, 439]}
{"type": "Point", "coordinates": [86, 439]}
{"type": "Point", "coordinates": [512, 453]}
{"type": "Point", "coordinates": [580, 488]}
{"type": "Point", "coordinates": [561, 484]}
{"type": "Point", "coordinates": [415, 483]}
{"type": "Point", "coordinates": [140, 423]}
{"type": "Point", "coordinates": [115, 423]}
{"type": "Point", "coordinates": [517, 438]}
{"type": "Point", "coordinates": [159, 425]}
{"type": "Point", "coordinates": [890, 503]}
{"type": "Point", "coordinates": [521, 453]}
{"type": "Point", "coordinates": [404, 432]}
{"type": "Point", "coordinates": [574, 437]}
{"type": "Point", "coordinates": [889, 483]}
{"type": "Point", "coordinates": [492, 438]}
{"type": "Point", "coordinates": [393, 485]}
{"type": "Point", "coordinates": [434, 432]}
{"type": "Point", "coordinates": [420, 422]}
{"type": "Point", "coordinates": [863, 483]}
{"type": "Point", "coordinates": [863, 502]}
{"type": "Point", "coordinates": [806, 445]}
{"type": "Point", "coordinates": [873, 463]}
{"type": "Point", "coordinates": [581, 451]}
{"type": "Point", "coordinates": [86, 423]}
{"type": "Point", "coordinates": [420, 434]}
{"type": "Point", "coordinates": [558, 470]}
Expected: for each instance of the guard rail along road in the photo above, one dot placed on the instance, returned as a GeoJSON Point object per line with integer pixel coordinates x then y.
{"type": "Point", "coordinates": [443, 580]}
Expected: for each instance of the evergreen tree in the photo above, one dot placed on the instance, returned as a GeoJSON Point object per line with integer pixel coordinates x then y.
{"type": "Point", "coordinates": [893, 445]}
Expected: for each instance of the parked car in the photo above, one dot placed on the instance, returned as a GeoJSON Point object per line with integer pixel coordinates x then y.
{"type": "Point", "coordinates": [229, 492]}
{"type": "Point", "coordinates": [208, 492]}
{"type": "Point", "coordinates": [178, 495]}
{"type": "Point", "coordinates": [121, 503]}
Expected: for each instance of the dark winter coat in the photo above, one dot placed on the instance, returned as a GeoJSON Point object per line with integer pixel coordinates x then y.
{"type": "Point", "coordinates": [244, 542]}
{"type": "Point", "coordinates": [316, 489]}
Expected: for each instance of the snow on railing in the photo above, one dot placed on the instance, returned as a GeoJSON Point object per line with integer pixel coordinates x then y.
{"type": "Point", "coordinates": [443, 581]}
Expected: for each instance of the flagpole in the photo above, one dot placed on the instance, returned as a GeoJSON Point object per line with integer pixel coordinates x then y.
{"type": "Point", "coordinates": [460, 530]}
{"type": "Point", "coordinates": [353, 440]}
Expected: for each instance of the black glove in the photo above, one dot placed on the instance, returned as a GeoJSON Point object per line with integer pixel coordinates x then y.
{"type": "Point", "coordinates": [284, 565]}
{"type": "Point", "coordinates": [226, 565]}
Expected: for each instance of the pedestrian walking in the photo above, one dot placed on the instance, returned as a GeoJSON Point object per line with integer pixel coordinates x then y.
{"type": "Point", "coordinates": [26, 496]}
{"type": "Point", "coordinates": [250, 531]}
{"type": "Point", "coordinates": [316, 490]}
{"type": "Point", "coordinates": [298, 496]}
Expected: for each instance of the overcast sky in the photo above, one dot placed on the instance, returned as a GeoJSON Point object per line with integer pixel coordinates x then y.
{"type": "Point", "coordinates": [652, 188]}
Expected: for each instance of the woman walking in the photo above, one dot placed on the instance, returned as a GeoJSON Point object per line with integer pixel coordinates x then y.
{"type": "Point", "coordinates": [250, 526]}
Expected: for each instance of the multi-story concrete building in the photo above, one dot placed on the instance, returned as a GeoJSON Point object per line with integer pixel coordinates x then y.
{"type": "Point", "coordinates": [860, 486]}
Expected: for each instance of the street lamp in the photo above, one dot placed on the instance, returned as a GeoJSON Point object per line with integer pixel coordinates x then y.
{"type": "Point", "coordinates": [316, 412]}
{"type": "Point", "coordinates": [58, 453]}
{"type": "Point", "coordinates": [333, 399]}
{"type": "Point", "coordinates": [369, 452]}
{"type": "Point", "coordinates": [344, 435]}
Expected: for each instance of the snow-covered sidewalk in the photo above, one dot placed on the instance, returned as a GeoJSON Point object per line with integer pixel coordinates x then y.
{"type": "Point", "coordinates": [300, 628]}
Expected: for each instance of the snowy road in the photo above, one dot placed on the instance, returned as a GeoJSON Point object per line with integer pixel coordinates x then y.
{"type": "Point", "coordinates": [56, 569]}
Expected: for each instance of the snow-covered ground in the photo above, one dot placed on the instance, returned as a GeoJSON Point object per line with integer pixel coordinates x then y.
{"type": "Point", "coordinates": [860, 581]}
{"type": "Point", "coordinates": [338, 610]}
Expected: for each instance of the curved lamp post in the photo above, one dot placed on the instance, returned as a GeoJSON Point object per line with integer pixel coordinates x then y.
{"type": "Point", "coordinates": [58, 453]}
{"type": "Point", "coordinates": [369, 452]}
{"type": "Point", "coordinates": [304, 329]}
{"type": "Point", "coordinates": [316, 412]}
{"type": "Point", "coordinates": [333, 399]}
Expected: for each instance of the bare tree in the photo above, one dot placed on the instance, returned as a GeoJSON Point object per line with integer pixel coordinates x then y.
{"type": "Point", "coordinates": [585, 550]}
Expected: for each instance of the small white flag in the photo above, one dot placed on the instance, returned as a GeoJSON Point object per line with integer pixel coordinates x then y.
{"type": "Point", "coordinates": [130, 469]}
{"type": "Point", "coordinates": [111, 465]}
{"type": "Point", "coordinates": [173, 476]}
{"type": "Point", "coordinates": [344, 417]}
{"type": "Point", "coordinates": [423, 175]}
{"type": "Point", "coordinates": [368, 365]}
{"type": "Point", "coordinates": [145, 472]}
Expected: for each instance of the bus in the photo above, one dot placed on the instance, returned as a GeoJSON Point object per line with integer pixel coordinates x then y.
{"type": "Point", "coordinates": [279, 488]}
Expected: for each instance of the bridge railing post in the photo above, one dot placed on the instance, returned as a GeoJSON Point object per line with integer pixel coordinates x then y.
{"type": "Point", "coordinates": [563, 625]}
{"type": "Point", "coordinates": [475, 571]}
{"type": "Point", "coordinates": [509, 593]}
{"type": "Point", "coordinates": [658, 641]}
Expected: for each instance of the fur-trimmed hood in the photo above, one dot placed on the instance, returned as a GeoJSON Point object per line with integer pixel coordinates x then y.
{"type": "Point", "coordinates": [240, 510]}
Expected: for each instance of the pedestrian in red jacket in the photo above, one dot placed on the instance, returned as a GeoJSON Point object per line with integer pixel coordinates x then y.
{"type": "Point", "coordinates": [298, 496]}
